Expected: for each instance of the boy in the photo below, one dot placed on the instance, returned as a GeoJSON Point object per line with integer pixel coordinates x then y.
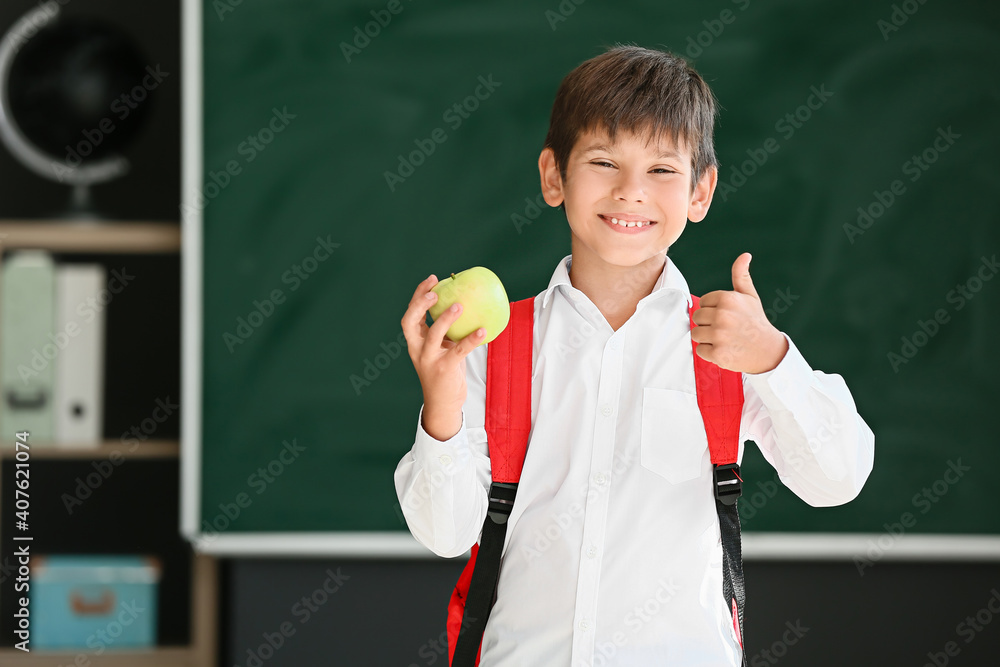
{"type": "Point", "coordinates": [613, 546]}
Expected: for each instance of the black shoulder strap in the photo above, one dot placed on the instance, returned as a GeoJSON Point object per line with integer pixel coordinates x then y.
{"type": "Point", "coordinates": [508, 424]}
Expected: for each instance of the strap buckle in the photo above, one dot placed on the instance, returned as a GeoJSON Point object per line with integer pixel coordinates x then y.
{"type": "Point", "coordinates": [501, 501]}
{"type": "Point", "coordinates": [728, 484]}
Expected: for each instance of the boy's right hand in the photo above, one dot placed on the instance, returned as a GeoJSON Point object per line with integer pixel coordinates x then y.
{"type": "Point", "coordinates": [439, 362]}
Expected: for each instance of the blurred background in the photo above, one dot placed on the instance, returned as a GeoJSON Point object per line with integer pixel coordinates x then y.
{"type": "Point", "coordinates": [213, 215]}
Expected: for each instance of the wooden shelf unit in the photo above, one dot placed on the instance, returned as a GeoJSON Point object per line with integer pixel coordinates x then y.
{"type": "Point", "coordinates": [102, 450]}
{"type": "Point", "coordinates": [124, 237]}
{"type": "Point", "coordinates": [200, 653]}
{"type": "Point", "coordinates": [88, 236]}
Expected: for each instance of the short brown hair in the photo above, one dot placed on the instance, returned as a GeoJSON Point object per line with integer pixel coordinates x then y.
{"type": "Point", "coordinates": [639, 90]}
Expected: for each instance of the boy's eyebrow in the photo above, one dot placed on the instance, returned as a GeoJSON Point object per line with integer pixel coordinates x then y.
{"type": "Point", "coordinates": [605, 149]}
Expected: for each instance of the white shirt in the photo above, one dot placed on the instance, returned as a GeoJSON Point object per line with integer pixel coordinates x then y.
{"type": "Point", "coordinates": [613, 551]}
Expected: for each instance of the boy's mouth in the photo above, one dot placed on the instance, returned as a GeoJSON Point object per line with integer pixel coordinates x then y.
{"type": "Point", "coordinates": [630, 222]}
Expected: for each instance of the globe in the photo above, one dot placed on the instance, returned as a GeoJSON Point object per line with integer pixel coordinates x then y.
{"type": "Point", "coordinates": [72, 96]}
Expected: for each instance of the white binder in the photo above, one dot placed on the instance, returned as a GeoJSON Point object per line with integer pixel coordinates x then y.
{"type": "Point", "coordinates": [27, 351]}
{"type": "Point", "coordinates": [79, 382]}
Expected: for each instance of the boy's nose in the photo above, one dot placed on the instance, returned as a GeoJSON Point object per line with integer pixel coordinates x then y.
{"type": "Point", "coordinates": [629, 188]}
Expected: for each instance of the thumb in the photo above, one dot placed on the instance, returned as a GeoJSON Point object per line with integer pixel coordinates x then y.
{"type": "Point", "coordinates": [741, 276]}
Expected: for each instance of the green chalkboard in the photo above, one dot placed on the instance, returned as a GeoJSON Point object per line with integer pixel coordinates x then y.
{"type": "Point", "coordinates": [311, 253]}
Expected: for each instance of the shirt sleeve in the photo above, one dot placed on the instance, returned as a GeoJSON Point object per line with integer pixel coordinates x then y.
{"type": "Point", "coordinates": [808, 428]}
{"type": "Point", "coordinates": [443, 486]}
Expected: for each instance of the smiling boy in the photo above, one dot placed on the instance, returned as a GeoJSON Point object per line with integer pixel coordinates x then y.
{"type": "Point", "coordinates": [613, 549]}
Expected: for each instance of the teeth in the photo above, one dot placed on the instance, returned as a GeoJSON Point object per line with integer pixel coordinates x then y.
{"type": "Point", "coordinates": [615, 221]}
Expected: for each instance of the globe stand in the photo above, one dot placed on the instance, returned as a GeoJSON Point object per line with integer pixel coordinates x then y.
{"type": "Point", "coordinates": [81, 206]}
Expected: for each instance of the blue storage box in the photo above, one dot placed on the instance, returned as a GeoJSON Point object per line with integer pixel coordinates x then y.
{"type": "Point", "coordinates": [93, 602]}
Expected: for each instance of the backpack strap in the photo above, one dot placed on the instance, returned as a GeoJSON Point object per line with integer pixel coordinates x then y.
{"type": "Point", "coordinates": [720, 398]}
{"type": "Point", "coordinates": [508, 424]}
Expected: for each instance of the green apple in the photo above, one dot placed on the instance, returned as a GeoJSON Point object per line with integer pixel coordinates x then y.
{"type": "Point", "coordinates": [484, 303]}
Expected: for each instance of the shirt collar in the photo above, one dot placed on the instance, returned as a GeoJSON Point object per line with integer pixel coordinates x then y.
{"type": "Point", "coordinates": [670, 279]}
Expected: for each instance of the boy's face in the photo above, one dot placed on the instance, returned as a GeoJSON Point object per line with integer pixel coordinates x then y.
{"type": "Point", "coordinates": [626, 179]}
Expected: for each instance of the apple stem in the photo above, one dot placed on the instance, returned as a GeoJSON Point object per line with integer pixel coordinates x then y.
{"type": "Point", "coordinates": [453, 275]}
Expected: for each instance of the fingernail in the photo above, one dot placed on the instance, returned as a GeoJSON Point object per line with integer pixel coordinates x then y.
{"type": "Point", "coordinates": [454, 307]}
{"type": "Point", "coordinates": [430, 296]}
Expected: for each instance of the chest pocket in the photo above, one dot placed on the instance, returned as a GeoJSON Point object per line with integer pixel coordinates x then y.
{"type": "Point", "coordinates": [673, 441]}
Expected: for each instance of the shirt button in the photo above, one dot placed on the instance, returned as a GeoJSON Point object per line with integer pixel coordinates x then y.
{"type": "Point", "coordinates": [616, 344]}
{"type": "Point", "coordinates": [607, 410]}
{"type": "Point", "coordinates": [592, 551]}
{"type": "Point", "coordinates": [584, 626]}
{"type": "Point", "coordinates": [445, 460]}
{"type": "Point", "coordinates": [600, 478]}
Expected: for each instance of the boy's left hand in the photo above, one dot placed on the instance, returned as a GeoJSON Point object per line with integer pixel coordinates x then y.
{"type": "Point", "coordinates": [733, 332]}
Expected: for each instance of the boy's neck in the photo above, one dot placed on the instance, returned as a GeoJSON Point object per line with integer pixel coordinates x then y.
{"type": "Point", "coordinates": [615, 290]}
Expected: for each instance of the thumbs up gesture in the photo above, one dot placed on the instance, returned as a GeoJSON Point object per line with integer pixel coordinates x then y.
{"type": "Point", "coordinates": [733, 332]}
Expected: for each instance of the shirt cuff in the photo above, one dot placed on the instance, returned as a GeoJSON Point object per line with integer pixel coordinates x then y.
{"type": "Point", "coordinates": [783, 384]}
{"type": "Point", "coordinates": [444, 455]}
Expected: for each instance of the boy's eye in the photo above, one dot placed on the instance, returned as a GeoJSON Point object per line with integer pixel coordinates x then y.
{"type": "Point", "coordinates": [656, 170]}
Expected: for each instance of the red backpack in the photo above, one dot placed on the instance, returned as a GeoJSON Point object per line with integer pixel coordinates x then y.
{"type": "Point", "coordinates": [508, 424]}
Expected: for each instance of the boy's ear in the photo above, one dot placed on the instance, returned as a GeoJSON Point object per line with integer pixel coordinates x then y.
{"type": "Point", "coordinates": [552, 187]}
{"type": "Point", "coordinates": [701, 198]}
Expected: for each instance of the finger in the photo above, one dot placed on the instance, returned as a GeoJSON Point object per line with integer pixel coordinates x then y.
{"type": "Point", "coordinates": [705, 317]}
{"type": "Point", "coordinates": [741, 276]}
{"type": "Point", "coordinates": [469, 343]}
{"type": "Point", "coordinates": [702, 334]}
{"type": "Point", "coordinates": [711, 300]}
{"type": "Point", "coordinates": [435, 336]}
{"type": "Point", "coordinates": [705, 351]}
{"type": "Point", "coordinates": [414, 321]}
{"type": "Point", "coordinates": [416, 311]}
